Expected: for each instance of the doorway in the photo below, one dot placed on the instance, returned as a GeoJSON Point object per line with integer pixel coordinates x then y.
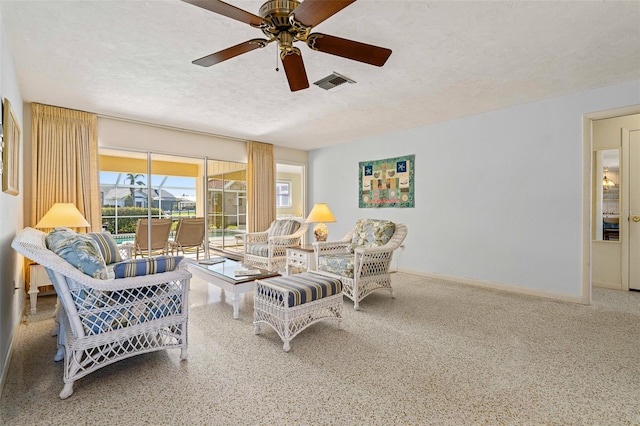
{"type": "Point", "coordinates": [614, 232]}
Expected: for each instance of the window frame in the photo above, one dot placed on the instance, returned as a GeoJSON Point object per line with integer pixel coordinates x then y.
{"type": "Point", "coordinates": [288, 194]}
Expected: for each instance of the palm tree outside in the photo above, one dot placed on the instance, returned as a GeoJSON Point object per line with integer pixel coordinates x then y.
{"type": "Point", "coordinates": [131, 180]}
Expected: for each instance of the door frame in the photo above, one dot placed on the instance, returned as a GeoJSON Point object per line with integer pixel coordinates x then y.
{"type": "Point", "coordinates": [587, 198]}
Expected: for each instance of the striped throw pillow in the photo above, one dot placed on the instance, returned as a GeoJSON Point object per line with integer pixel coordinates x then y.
{"type": "Point", "coordinates": [146, 266]}
{"type": "Point", "coordinates": [283, 227]}
{"type": "Point", "coordinates": [107, 245]}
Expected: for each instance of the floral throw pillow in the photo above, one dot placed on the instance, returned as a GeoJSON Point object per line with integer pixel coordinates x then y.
{"type": "Point", "coordinates": [80, 250]}
{"type": "Point", "coordinates": [372, 233]}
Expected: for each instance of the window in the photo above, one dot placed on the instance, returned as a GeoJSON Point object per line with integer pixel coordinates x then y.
{"type": "Point", "coordinates": [176, 191]}
{"type": "Point", "coordinates": [283, 194]}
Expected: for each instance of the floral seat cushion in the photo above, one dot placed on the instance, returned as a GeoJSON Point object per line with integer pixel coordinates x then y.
{"type": "Point", "coordinates": [340, 264]}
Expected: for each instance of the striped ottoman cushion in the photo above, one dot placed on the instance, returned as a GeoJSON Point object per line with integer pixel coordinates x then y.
{"type": "Point", "coordinates": [306, 287]}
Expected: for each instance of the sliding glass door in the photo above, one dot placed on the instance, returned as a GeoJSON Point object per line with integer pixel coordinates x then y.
{"type": "Point", "coordinates": [226, 204]}
{"type": "Point", "coordinates": [137, 185]}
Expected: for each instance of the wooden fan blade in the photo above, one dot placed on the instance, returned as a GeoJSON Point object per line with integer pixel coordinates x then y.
{"type": "Point", "coordinates": [228, 10]}
{"type": "Point", "coordinates": [311, 12]}
{"type": "Point", "coordinates": [231, 52]}
{"type": "Point", "coordinates": [294, 68]}
{"type": "Point", "coordinates": [349, 49]}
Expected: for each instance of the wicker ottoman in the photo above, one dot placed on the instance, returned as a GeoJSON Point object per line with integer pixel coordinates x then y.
{"type": "Point", "coordinates": [292, 303]}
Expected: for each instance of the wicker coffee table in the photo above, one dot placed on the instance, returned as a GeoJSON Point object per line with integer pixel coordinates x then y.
{"type": "Point", "coordinates": [222, 275]}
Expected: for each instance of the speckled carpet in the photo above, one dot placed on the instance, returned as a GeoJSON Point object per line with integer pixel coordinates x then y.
{"type": "Point", "coordinates": [440, 353]}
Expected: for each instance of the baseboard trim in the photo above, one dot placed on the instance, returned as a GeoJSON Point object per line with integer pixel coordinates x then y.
{"type": "Point", "coordinates": [7, 361]}
{"type": "Point", "coordinates": [612, 286]}
{"type": "Point", "coordinates": [502, 287]}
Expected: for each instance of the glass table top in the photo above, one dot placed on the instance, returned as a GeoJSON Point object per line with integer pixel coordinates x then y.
{"type": "Point", "coordinates": [226, 269]}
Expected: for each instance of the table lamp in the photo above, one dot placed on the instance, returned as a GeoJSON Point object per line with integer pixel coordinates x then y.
{"type": "Point", "coordinates": [63, 215]}
{"type": "Point", "coordinates": [320, 214]}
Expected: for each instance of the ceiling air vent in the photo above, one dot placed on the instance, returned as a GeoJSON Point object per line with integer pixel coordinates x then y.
{"type": "Point", "coordinates": [334, 82]}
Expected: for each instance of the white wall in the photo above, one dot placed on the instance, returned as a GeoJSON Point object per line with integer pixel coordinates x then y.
{"type": "Point", "coordinates": [11, 299]}
{"type": "Point", "coordinates": [132, 135]}
{"type": "Point", "coordinates": [498, 195]}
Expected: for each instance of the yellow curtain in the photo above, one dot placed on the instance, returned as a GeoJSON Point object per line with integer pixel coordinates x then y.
{"type": "Point", "coordinates": [65, 162]}
{"type": "Point", "coordinates": [261, 186]}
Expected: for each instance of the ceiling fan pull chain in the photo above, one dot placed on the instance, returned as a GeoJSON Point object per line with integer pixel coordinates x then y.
{"type": "Point", "coordinates": [277, 56]}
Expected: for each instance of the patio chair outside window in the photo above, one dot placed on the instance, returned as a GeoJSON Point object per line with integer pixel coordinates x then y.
{"type": "Point", "coordinates": [160, 229]}
{"type": "Point", "coordinates": [189, 236]}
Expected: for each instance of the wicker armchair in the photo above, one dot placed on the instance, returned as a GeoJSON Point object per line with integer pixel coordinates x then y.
{"type": "Point", "coordinates": [268, 249]}
{"type": "Point", "coordinates": [362, 258]}
{"type": "Point", "coordinates": [101, 321]}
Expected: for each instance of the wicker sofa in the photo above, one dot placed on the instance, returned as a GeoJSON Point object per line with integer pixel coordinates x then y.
{"type": "Point", "coordinates": [104, 320]}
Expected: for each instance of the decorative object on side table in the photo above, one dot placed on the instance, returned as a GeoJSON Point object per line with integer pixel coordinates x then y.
{"type": "Point", "coordinates": [319, 215]}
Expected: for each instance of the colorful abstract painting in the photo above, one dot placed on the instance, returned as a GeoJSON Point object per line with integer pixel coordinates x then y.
{"type": "Point", "coordinates": [387, 183]}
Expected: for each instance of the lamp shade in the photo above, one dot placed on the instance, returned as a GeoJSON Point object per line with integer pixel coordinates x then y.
{"type": "Point", "coordinates": [320, 213]}
{"type": "Point", "coordinates": [63, 215]}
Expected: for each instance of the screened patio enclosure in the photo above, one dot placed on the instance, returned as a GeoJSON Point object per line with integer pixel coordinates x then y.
{"type": "Point", "coordinates": [136, 185]}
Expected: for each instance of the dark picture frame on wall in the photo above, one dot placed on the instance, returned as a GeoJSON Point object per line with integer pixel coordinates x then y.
{"type": "Point", "coordinates": [11, 150]}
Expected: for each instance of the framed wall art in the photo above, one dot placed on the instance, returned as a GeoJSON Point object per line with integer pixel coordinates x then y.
{"type": "Point", "coordinates": [387, 183]}
{"type": "Point", "coordinates": [11, 150]}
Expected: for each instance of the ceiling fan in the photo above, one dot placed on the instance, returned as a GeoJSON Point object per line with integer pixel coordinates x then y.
{"type": "Point", "coordinates": [286, 22]}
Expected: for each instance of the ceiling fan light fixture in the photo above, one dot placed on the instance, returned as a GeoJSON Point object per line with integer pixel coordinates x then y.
{"type": "Point", "coordinates": [334, 81]}
{"type": "Point", "coordinates": [287, 22]}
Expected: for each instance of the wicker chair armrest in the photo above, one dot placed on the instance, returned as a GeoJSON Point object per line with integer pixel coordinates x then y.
{"type": "Point", "coordinates": [288, 240]}
{"type": "Point", "coordinates": [365, 251]}
{"type": "Point", "coordinates": [179, 274]}
{"type": "Point", "coordinates": [331, 247]}
{"type": "Point", "coordinates": [114, 284]}
{"type": "Point", "coordinates": [285, 241]}
{"type": "Point", "coordinates": [255, 237]}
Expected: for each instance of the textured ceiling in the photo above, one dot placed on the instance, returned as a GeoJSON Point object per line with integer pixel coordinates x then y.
{"type": "Point", "coordinates": [132, 59]}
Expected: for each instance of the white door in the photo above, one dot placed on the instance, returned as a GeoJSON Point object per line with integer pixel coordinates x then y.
{"type": "Point", "coordinates": [634, 209]}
